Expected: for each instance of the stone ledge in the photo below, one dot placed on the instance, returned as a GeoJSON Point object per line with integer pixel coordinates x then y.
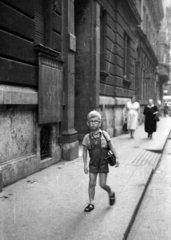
{"type": "Point", "coordinates": [19, 168]}
{"type": "Point", "coordinates": [121, 101]}
{"type": "Point", "coordinates": [106, 101]}
{"type": "Point", "coordinates": [110, 101]}
{"type": "Point", "coordinates": [18, 95]}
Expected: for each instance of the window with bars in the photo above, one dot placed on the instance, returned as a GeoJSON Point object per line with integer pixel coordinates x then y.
{"type": "Point", "coordinates": [45, 142]}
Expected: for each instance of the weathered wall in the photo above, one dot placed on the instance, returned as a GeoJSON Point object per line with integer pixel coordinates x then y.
{"type": "Point", "coordinates": [20, 127]}
{"type": "Point", "coordinates": [87, 69]}
{"type": "Point", "coordinates": [69, 133]}
{"type": "Point", "coordinates": [112, 114]}
{"type": "Point", "coordinates": [18, 134]}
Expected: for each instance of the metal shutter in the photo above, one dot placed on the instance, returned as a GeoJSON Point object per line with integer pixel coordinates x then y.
{"type": "Point", "coordinates": [39, 22]}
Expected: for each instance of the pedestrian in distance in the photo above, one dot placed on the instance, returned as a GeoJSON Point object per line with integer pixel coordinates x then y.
{"type": "Point", "coordinates": [159, 106]}
{"type": "Point", "coordinates": [96, 143]}
{"type": "Point", "coordinates": [151, 118]}
{"type": "Point", "coordinates": [131, 115]}
{"type": "Point", "coordinates": [166, 109]}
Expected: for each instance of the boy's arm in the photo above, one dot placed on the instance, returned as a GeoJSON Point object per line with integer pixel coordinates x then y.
{"type": "Point", "coordinates": [85, 159]}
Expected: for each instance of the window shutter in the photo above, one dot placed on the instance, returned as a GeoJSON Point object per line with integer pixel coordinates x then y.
{"type": "Point", "coordinates": [50, 90]}
{"type": "Point", "coordinates": [39, 22]}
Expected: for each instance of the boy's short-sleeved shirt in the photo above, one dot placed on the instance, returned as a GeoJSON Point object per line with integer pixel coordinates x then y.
{"type": "Point", "coordinates": [104, 139]}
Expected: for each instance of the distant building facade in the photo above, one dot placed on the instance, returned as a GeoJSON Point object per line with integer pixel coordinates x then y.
{"type": "Point", "coordinates": [164, 56]}
{"type": "Point", "coordinates": [61, 59]}
{"type": "Point", "coordinates": [151, 13]}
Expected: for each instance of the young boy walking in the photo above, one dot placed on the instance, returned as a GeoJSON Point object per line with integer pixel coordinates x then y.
{"type": "Point", "coordinates": [96, 142]}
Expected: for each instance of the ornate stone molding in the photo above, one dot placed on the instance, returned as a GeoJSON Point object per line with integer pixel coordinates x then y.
{"type": "Point", "coordinates": [46, 50]}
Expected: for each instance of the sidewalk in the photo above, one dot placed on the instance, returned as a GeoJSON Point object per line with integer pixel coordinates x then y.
{"type": "Point", "coordinates": [49, 205]}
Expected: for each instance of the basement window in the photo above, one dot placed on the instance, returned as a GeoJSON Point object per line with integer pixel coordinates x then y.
{"type": "Point", "coordinates": [45, 142]}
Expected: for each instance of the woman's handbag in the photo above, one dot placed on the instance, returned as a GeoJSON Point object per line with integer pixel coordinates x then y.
{"type": "Point", "coordinates": [110, 157]}
{"type": "Point", "coordinates": [156, 118]}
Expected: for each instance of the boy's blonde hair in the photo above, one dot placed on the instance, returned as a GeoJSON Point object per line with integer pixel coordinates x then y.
{"type": "Point", "coordinates": [94, 114]}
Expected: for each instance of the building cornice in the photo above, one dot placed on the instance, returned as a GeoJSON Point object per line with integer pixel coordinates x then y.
{"type": "Point", "coordinates": [133, 10]}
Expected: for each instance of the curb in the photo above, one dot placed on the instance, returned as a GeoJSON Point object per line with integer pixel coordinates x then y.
{"type": "Point", "coordinates": [1, 179]}
{"type": "Point", "coordinates": [137, 207]}
{"type": "Point", "coordinates": [162, 150]}
{"type": "Point", "coordinates": [126, 233]}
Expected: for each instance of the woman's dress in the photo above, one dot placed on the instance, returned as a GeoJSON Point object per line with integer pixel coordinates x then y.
{"type": "Point", "coordinates": [132, 115]}
{"type": "Point", "coordinates": [150, 123]}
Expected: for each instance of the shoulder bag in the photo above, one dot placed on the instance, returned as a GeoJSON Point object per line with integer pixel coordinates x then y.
{"type": "Point", "coordinates": [111, 158]}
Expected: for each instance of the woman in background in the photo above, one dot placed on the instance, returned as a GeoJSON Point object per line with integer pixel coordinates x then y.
{"type": "Point", "coordinates": [132, 114]}
{"type": "Point", "coordinates": [166, 108]}
{"type": "Point", "coordinates": [150, 112]}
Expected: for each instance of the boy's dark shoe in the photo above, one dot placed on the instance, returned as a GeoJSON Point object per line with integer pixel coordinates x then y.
{"type": "Point", "coordinates": [112, 199]}
{"type": "Point", "coordinates": [89, 208]}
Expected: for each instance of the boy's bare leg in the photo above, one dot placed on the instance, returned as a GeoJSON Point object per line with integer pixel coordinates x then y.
{"type": "Point", "coordinates": [102, 182]}
{"type": "Point", "coordinates": [92, 185]}
{"type": "Point", "coordinates": [103, 178]}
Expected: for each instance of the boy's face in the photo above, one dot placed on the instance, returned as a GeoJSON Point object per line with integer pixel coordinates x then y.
{"type": "Point", "coordinates": [94, 123]}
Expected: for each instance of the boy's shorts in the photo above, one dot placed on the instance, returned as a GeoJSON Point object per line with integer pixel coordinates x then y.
{"type": "Point", "coordinates": [98, 164]}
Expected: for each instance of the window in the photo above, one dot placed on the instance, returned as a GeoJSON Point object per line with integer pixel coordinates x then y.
{"type": "Point", "coordinates": [139, 7]}
{"type": "Point", "coordinates": [126, 62]}
{"type": "Point", "coordinates": [147, 25]}
{"type": "Point", "coordinates": [142, 84]}
{"type": "Point", "coordinates": [102, 38]}
{"type": "Point", "coordinates": [144, 20]}
{"type": "Point", "coordinates": [39, 22]}
{"type": "Point", "coordinates": [149, 31]}
{"type": "Point", "coordinates": [45, 142]}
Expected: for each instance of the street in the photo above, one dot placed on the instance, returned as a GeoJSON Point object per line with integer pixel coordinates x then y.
{"type": "Point", "coordinates": [49, 204]}
{"type": "Point", "coordinates": [78, 78]}
{"type": "Point", "coordinates": [154, 216]}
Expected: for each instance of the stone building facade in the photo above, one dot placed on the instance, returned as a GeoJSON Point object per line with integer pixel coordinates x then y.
{"type": "Point", "coordinates": [164, 55]}
{"type": "Point", "coordinates": [105, 61]}
{"type": "Point", "coordinates": [61, 59]}
{"type": "Point", "coordinates": [37, 86]}
{"type": "Point", "coordinates": [151, 13]}
{"type": "Point", "coordinates": [117, 59]}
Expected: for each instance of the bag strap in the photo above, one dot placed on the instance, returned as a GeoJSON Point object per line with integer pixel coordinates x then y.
{"type": "Point", "coordinates": [106, 139]}
{"type": "Point", "coordinates": [104, 136]}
